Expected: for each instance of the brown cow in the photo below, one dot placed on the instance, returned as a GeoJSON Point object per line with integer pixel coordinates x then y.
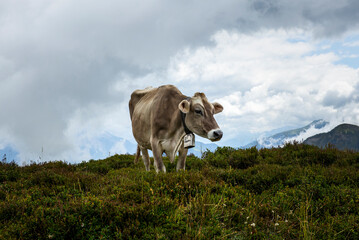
{"type": "Point", "coordinates": [161, 117]}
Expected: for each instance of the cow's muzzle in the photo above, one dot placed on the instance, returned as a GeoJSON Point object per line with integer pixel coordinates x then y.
{"type": "Point", "coordinates": [215, 135]}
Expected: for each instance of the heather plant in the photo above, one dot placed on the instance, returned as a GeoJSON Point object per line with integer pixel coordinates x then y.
{"type": "Point", "coordinates": [294, 192]}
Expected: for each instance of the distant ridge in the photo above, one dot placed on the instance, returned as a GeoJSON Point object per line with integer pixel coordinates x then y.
{"type": "Point", "coordinates": [280, 139]}
{"type": "Point", "coordinates": [344, 136]}
{"type": "Point", "coordinates": [200, 148]}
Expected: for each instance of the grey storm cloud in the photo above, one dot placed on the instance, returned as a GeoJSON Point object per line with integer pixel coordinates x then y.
{"type": "Point", "coordinates": [333, 98]}
{"type": "Point", "coordinates": [336, 100]}
{"type": "Point", "coordinates": [60, 56]}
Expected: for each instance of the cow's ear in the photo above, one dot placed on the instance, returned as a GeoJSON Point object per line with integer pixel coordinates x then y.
{"type": "Point", "coordinates": [217, 107]}
{"type": "Point", "coordinates": [184, 106]}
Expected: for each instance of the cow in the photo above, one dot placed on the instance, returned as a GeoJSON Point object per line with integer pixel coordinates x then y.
{"type": "Point", "coordinates": [162, 117]}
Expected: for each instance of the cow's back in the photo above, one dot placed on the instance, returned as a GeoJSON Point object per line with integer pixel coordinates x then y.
{"type": "Point", "coordinates": [138, 95]}
{"type": "Point", "coordinates": [148, 95]}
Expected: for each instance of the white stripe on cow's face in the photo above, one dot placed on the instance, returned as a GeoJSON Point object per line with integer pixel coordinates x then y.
{"type": "Point", "coordinates": [197, 100]}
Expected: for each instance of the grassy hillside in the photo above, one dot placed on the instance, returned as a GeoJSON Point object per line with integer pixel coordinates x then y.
{"type": "Point", "coordinates": [294, 192]}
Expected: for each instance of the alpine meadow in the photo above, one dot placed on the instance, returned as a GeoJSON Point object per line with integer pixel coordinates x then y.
{"type": "Point", "coordinates": [294, 192]}
{"type": "Point", "coordinates": [196, 119]}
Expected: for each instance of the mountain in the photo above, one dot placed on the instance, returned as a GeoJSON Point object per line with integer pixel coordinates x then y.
{"type": "Point", "coordinates": [281, 138]}
{"type": "Point", "coordinates": [201, 148]}
{"type": "Point", "coordinates": [344, 136]}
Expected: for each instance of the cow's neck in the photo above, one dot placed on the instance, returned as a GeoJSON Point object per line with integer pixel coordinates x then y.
{"type": "Point", "coordinates": [183, 119]}
{"type": "Point", "coordinates": [179, 130]}
{"type": "Point", "coordinates": [175, 142]}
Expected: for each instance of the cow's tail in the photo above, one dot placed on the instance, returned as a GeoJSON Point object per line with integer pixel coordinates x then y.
{"type": "Point", "coordinates": [138, 153]}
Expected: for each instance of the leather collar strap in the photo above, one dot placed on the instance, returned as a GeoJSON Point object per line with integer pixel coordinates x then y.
{"type": "Point", "coordinates": [183, 117]}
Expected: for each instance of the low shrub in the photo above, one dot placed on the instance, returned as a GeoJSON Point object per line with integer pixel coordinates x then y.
{"type": "Point", "coordinates": [293, 192]}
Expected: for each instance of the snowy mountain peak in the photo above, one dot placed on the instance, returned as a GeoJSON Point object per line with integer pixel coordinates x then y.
{"type": "Point", "coordinates": [281, 138]}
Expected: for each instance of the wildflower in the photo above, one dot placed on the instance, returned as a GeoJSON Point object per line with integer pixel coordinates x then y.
{"type": "Point", "coordinates": [253, 224]}
{"type": "Point", "coordinates": [50, 236]}
{"type": "Point", "coordinates": [276, 224]}
{"type": "Point", "coordinates": [286, 221]}
{"type": "Point", "coordinates": [82, 224]}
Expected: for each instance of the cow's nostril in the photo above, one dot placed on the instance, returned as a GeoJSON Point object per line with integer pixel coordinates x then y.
{"type": "Point", "coordinates": [217, 134]}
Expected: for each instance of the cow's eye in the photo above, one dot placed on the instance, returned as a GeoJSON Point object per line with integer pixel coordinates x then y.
{"type": "Point", "coordinates": [198, 111]}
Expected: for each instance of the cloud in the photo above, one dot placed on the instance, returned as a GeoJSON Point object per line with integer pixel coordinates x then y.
{"type": "Point", "coordinates": [333, 98]}
{"type": "Point", "coordinates": [68, 67]}
{"type": "Point", "coordinates": [352, 44]}
{"type": "Point", "coordinates": [265, 80]}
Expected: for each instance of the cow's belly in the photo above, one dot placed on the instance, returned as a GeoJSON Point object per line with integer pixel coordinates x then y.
{"type": "Point", "coordinates": [141, 128]}
{"type": "Point", "coordinates": [142, 137]}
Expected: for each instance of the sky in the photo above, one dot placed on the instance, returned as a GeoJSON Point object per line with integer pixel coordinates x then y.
{"type": "Point", "coordinates": [67, 68]}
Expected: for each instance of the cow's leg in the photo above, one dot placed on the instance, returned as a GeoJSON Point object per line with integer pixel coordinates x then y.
{"type": "Point", "coordinates": [182, 155]}
{"type": "Point", "coordinates": [137, 154]}
{"type": "Point", "coordinates": [146, 159]}
{"type": "Point", "coordinates": [157, 155]}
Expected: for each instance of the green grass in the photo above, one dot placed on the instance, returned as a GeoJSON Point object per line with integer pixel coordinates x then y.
{"type": "Point", "coordinates": [294, 192]}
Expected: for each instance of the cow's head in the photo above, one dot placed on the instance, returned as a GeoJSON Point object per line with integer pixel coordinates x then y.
{"type": "Point", "coordinates": [199, 116]}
